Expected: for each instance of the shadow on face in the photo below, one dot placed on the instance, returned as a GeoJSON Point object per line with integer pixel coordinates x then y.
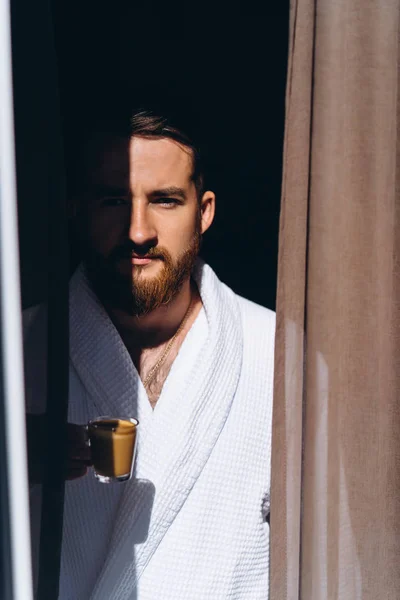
{"type": "Point", "coordinates": [140, 219]}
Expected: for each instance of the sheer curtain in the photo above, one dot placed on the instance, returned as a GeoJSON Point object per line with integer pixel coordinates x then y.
{"type": "Point", "coordinates": [335, 506]}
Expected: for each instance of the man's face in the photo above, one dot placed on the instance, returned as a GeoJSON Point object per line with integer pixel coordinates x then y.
{"type": "Point", "coordinates": [144, 222]}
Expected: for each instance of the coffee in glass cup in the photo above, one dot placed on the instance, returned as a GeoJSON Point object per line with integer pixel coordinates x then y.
{"type": "Point", "coordinates": [112, 445]}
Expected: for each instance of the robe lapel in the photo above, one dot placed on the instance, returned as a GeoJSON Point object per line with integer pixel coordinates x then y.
{"type": "Point", "coordinates": [175, 449]}
{"type": "Point", "coordinates": [100, 357]}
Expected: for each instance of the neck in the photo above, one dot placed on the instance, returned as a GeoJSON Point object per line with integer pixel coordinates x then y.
{"type": "Point", "coordinates": [157, 327]}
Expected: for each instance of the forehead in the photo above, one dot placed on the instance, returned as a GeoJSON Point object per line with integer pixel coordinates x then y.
{"type": "Point", "coordinates": [147, 161]}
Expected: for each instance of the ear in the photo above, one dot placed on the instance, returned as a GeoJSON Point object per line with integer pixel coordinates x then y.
{"type": "Point", "coordinates": [207, 208]}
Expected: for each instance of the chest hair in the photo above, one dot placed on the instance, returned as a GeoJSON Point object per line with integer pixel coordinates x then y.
{"type": "Point", "coordinates": [149, 357]}
{"type": "Point", "coordinates": [156, 385]}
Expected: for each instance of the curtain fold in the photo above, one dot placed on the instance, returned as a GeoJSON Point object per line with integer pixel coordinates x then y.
{"type": "Point", "coordinates": [335, 526]}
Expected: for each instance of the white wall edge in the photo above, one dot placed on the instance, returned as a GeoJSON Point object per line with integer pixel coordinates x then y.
{"type": "Point", "coordinates": [11, 329]}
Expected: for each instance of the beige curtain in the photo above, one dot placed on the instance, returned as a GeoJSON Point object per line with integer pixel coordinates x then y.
{"type": "Point", "coordinates": [335, 506]}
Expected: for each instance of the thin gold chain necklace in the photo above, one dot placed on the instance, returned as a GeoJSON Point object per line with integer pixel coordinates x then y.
{"type": "Point", "coordinates": [162, 359]}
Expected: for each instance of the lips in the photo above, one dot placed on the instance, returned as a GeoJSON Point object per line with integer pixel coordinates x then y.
{"type": "Point", "coordinates": [137, 259]}
{"type": "Point", "coordinates": [142, 260]}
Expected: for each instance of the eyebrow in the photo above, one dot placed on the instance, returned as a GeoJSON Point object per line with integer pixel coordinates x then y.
{"type": "Point", "coordinates": [169, 191]}
{"type": "Point", "coordinates": [110, 190]}
{"type": "Point", "coordinates": [166, 192]}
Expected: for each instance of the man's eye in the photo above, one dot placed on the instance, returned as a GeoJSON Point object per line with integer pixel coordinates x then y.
{"type": "Point", "coordinates": [168, 202]}
{"type": "Point", "coordinates": [114, 201]}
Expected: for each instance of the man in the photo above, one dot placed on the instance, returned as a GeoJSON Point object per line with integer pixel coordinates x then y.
{"type": "Point", "coordinates": [155, 335]}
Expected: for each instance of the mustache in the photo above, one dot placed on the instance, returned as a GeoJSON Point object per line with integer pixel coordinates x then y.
{"type": "Point", "coordinates": [126, 252]}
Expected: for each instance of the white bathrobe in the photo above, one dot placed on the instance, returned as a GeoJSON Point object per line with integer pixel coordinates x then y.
{"type": "Point", "coordinates": [191, 524]}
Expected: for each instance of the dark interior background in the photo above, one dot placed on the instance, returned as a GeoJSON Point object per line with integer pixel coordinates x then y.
{"type": "Point", "coordinates": [227, 62]}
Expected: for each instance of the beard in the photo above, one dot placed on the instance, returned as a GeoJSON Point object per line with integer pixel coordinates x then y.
{"type": "Point", "coordinates": [138, 294]}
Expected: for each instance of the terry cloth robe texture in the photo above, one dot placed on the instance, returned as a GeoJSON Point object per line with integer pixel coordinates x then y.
{"type": "Point", "coordinates": [192, 522]}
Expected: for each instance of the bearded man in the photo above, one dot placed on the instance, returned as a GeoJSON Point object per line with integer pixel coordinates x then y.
{"type": "Point", "coordinates": [155, 335]}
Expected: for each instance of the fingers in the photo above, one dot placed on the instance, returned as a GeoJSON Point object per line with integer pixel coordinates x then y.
{"type": "Point", "coordinates": [78, 456]}
{"type": "Point", "coordinates": [77, 445]}
{"type": "Point", "coordinates": [78, 452]}
{"type": "Point", "coordinates": [76, 434]}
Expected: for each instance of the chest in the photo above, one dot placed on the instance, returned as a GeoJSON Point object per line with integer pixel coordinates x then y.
{"type": "Point", "coordinates": [155, 386]}
{"type": "Point", "coordinates": [154, 368]}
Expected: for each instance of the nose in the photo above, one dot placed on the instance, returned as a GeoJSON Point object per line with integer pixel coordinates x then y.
{"type": "Point", "coordinates": [141, 229]}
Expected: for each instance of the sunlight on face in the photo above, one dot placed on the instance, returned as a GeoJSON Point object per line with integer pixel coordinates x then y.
{"type": "Point", "coordinates": [144, 221]}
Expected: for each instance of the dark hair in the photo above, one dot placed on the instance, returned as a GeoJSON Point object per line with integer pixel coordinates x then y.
{"type": "Point", "coordinates": [146, 121]}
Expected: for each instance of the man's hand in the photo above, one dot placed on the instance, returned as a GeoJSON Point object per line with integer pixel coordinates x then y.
{"type": "Point", "coordinates": [77, 450]}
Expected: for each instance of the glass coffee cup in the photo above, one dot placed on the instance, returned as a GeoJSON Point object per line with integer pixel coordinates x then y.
{"type": "Point", "coordinates": [112, 443]}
